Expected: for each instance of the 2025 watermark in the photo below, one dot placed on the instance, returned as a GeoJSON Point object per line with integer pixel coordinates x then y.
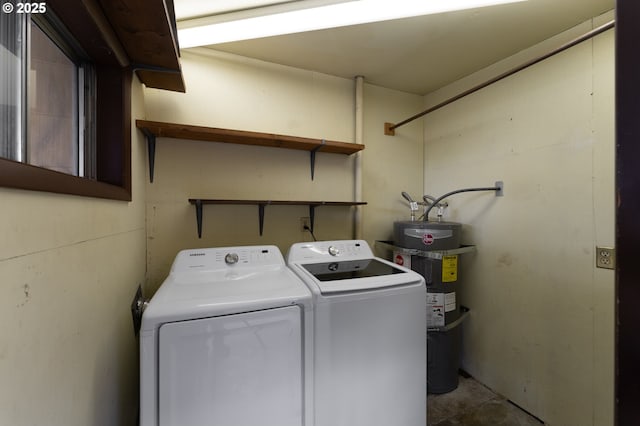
{"type": "Point", "coordinates": [33, 7]}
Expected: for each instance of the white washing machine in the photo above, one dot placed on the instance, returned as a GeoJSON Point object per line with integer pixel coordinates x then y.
{"type": "Point", "coordinates": [224, 342]}
{"type": "Point", "coordinates": [369, 335]}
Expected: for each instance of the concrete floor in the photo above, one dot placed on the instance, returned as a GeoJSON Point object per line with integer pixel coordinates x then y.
{"type": "Point", "coordinates": [472, 404]}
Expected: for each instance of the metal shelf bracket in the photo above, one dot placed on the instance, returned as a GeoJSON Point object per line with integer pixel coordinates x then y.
{"type": "Point", "coordinates": [261, 217]}
{"type": "Point", "coordinates": [312, 156]}
{"type": "Point", "coordinates": [151, 147]}
{"type": "Point", "coordinates": [312, 216]}
{"type": "Point", "coordinates": [198, 205]}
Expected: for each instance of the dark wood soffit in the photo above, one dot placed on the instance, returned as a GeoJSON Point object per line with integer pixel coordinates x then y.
{"type": "Point", "coordinates": [147, 33]}
{"type": "Point", "coordinates": [145, 30]}
{"type": "Point", "coordinates": [162, 80]}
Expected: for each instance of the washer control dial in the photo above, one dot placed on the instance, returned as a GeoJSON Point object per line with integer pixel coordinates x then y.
{"type": "Point", "coordinates": [334, 251]}
{"type": "Point", "coordinates": [231, 258]}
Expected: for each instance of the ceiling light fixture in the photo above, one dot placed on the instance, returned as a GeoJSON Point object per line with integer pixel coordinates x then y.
{"type": "Point", "coordinates": [323, 17]}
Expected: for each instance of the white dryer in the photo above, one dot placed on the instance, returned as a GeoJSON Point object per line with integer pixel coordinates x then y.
{"type": "Point", "coordinates": [369, 335]}
{"type": "Point", "coordinates": [224, 342]}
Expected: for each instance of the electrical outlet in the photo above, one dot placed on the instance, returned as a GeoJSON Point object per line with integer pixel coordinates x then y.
{"type": "Point", "coordinates": [606, 257]}
{"type": "Point", "coordinates": [305, 224]}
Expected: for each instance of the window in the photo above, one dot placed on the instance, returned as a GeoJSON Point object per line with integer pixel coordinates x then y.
{"type": "Point", "coordinates": [11, 89]}
{"type": "Point", "coordinates": [59, 102]}
{"type": "Point", "coordinates": [54, 135]}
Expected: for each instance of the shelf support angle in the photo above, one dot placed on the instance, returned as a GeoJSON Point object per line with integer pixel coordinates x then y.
{"type": "Point", "coordinates": [151, 148]}
{"type": "Point", "coordinates": [312, 157]}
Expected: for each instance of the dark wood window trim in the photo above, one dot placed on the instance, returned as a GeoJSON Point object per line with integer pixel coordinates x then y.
{"type": "Point", "coordinates": [113, 123]}
{"type": "Point", "coordinates": [627, 67]}
{"type": "Point", "coordinates": [116, 45]}
{"type": "Point", "coordinates": [113, 128]}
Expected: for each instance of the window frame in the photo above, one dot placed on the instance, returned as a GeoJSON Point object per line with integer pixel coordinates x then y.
{"type": "Point", "coordinates": [113, 120]}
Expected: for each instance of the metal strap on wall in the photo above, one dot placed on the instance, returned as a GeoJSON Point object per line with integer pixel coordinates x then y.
{"type": "Point", "coordinates": [389, 128]}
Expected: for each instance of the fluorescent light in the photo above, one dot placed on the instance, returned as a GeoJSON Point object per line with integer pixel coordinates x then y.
{"type": "Point", "coordinates": [318, 18]}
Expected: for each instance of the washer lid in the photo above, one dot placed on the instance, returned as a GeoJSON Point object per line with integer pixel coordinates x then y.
{"type": "Point", "coordinates": [346, 266]}
{"type": "Point", "coordinates": [350, 269]}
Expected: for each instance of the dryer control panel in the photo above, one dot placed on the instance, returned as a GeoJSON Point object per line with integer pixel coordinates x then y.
{"type": "Point", "coordinates": [223, 258]}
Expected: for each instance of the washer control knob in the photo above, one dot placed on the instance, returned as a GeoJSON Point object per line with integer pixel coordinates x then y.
{"type": "Point", "coordinates": [334, 251]}
{"type": "Point", "coordinates": [231, 258]}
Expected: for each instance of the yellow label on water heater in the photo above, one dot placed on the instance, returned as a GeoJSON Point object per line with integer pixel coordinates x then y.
{"type": "Point", "coordinates": [449, 268]}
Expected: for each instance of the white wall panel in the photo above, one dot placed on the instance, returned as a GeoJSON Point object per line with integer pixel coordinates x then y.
{"type": "Point", "coordinates": [541, 325]}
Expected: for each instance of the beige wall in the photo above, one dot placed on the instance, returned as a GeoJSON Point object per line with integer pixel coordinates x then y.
{"type": "Point", "coordinates": [392, 164]}
{"type": "Point", "coordinates": [233, 92]}
{"type": "Point", "coordinates": [541, 324]}
{"type": "Point", "coordinates": [69, 267]}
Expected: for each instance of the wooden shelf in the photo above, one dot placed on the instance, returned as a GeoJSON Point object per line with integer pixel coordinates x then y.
{"type": "Point", "coordinates": [199, 202]}
{"type": "Point", "coordinates": [155, 129]}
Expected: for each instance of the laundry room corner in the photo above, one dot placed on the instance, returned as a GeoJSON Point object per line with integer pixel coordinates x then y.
{"type": "Point", "coordinates": [232, 92]}
{"type": "Point", "coordinates": [319, 213]}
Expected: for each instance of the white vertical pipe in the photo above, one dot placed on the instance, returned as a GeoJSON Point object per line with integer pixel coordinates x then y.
{"type": "Point", "coordinates": [357, 168]}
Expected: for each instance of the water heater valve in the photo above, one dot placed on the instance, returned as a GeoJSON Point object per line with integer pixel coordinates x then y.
{"type": "Point", "coordinates": [413, 205]}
